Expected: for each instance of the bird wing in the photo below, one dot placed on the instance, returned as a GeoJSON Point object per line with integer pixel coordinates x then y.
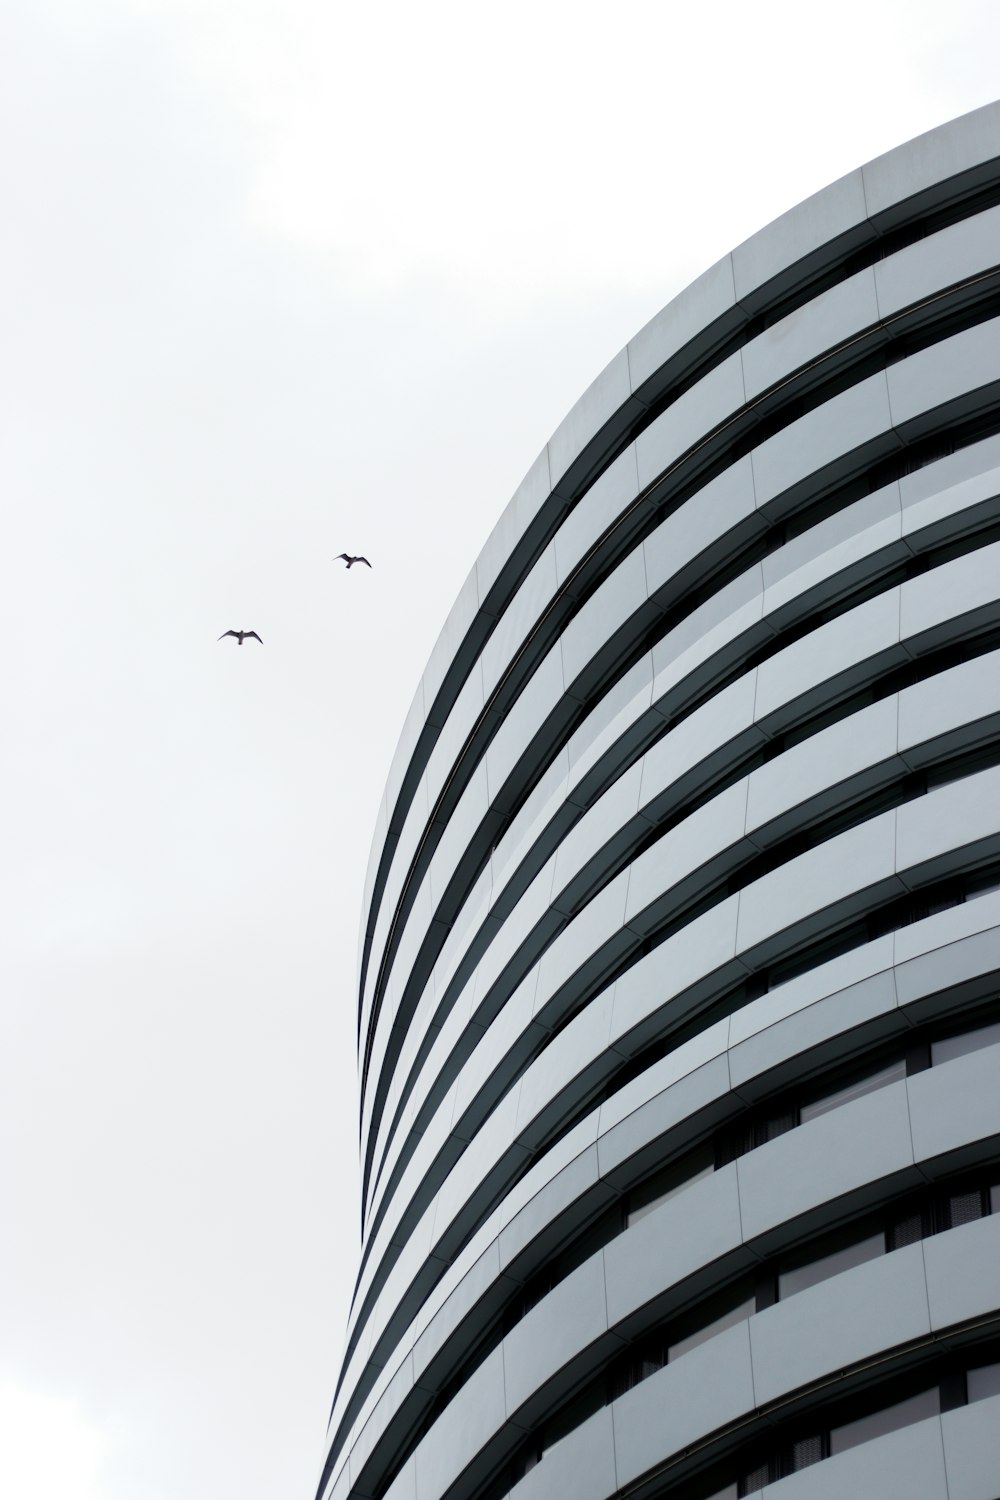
{"type": "Point", "coordinates": [344, 556]}
{"type": "Point", "coordinates": [222, 637]}
{"type": "Point", "coordinates": [249, 633]}
{"type": "Point", "coordinates": [364, 560]}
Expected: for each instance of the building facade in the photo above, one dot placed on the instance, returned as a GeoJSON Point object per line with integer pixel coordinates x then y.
{"type": "Point", "coordinates": [679, 1027]}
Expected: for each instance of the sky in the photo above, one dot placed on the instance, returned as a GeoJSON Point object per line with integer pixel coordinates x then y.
{"type": "Point", "coordinates": [282, 279]}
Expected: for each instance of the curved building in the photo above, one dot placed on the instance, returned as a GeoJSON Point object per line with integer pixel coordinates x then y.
{"type": "Point", "coordinates": [679, 1031]}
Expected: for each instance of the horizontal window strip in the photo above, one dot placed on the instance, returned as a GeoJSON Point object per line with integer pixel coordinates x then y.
{"type": "Point", "coordinates": [589, 468]}
{"type": "Point", "coordinates": [538, 640]}
{"type": "Point", "coordinates": [916, 669]}
{"type": "Point", "coordinates": [867, 589]}
{"type": "Point", "coordinates": [914, 1218]}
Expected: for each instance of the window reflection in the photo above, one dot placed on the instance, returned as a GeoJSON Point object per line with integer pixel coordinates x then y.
{"type": "Point", "coordinates": [950, 1047]}
{"type": "Point", "coordinates": [702, 1335]}
{"type": "Point", "coordinates": [695, 1174]}
{"type": "Point", "coordinates": [867, 1085]}
{"type": "Point", "coordinates": [800, 1277]}
{"type": "Point", "coordinates": [889, 1419]}
{"type": "Point", "coordinates": [983, 1382]}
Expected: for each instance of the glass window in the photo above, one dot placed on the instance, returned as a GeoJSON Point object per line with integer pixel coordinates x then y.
{"type": "Point", "coordinates": [995, 1198]}
{"type": "Point", "coordinates": [755, 1479]}
{"type": "Point", "coordinates": [866, 1085]}
{"type": "Point", "coordinates": [624, 1379]}
{"type": "Point", "coordinates": [907, 1230]}
{"type": "Point", "coordinates": [642, 1363]}
{"type": "Point", "coordinates": [950, 1047]}
{"type": "Point", "coordinates": [532, 1458]}
{"type": "Point", "coordinates": [964, 1208]}
{"type": "Point", "coordinates": [808, 1450]}
{"type": "Point", "coordinates": [756, 1131]}
{"type": "Point", "coordinates": [635, 1214]}
{"type": "Point", "coordinates": [927, 1404]}
{"type": "Point", "coordinates": [799, 1277]}
{"type": "Point", "coordinates": [983, 1382]}
{"type": "Point", "coordinates": [770, 1128]}
{"type": "Point", "coordinates": [933, 904]}
{"type": "Point", "coordinates": [729, 1493]}
{"type": "Point", "coordinates": [700, 1336]}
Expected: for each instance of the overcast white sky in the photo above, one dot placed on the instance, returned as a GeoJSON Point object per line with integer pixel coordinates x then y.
{"type": "Point", "coordinates": [281, 279]}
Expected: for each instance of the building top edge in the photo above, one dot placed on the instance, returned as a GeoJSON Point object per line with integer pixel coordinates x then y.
{"type": "Point", "coordinates": [852, 209]}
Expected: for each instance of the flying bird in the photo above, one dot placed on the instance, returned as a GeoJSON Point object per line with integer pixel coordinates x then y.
{"type": "Point", "coordinates": [350, 561]}
{"type": "Point", "coordinates": [241, 635]}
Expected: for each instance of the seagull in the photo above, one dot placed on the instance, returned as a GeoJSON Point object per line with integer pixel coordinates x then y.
{"type": "Point", "coordinates": [241, 635]}
{"type": "Point", "coordinates": [350, 561]}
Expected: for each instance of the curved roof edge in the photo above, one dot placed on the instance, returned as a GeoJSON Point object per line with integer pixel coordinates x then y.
{"type": "Point", "coordinates": [867, 202]}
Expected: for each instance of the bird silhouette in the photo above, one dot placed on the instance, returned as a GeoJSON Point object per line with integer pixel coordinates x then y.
{"type": "Point", "coordinates": [241, 635]}
{"type": "Point", "coordinates": [350, 561]}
